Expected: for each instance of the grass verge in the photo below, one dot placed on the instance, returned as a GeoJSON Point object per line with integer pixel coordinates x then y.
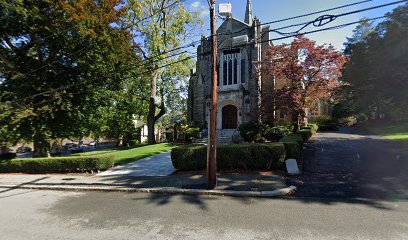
{"type": "Point", "coordinates": [127, 156]}
{"type": "Point", "coordinates": [392, 132]}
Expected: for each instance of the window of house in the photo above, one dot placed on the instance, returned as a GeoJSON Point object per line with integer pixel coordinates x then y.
{"type": "Point", "coordinates": [235, 70]}
{"type": "Point", "coordinates": [243, 70]}
{"type": "Point", "coordinates": [233, 67]}
{"type": "Point", "coordinates": [218, 75]}
{"type": "Point", "coordinates": [224, 72]}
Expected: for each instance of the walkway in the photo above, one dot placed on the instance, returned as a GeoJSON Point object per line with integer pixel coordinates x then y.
{"type": "Point", "coordinates": [351, 164]}
{"type": "Point", "coordinates": [157, 165]}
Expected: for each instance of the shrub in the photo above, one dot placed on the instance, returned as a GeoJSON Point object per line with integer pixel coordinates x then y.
{"type": "Point", "coordinates": [293, 138]}
{"type": "Point", "coordinates": [134, 143]}
{"type": "Point", "coordinates": [57, 165]}
{"type": "Point", "coordinates": [292, 150]}
{"type": "Point", "coordinates": [305, 133]}
{"type": "Point", "coordinates": [313, 127]}
{"type": "Point", "coordinates": [326, 123]}
{"type": "Point", "coordinates": [234, 156]}
{"type": "Point", "coordinates": [250, 132]}
{"type": "Point", "coordinates": [191, 133]}
{"type": "Point", "coordinates": [276, 133]}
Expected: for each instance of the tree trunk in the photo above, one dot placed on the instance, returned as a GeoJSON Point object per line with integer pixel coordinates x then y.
{"type": "Point", "coordinates": [152, 111]}
{"type": "Point", "coordinates": [41, 146]}
{"type": "Point", "coordinates": [150, 124]}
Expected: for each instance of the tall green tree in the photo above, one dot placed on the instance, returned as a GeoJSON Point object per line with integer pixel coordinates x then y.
{"type": "Point", "coordinates": [55, 56]}
{"type": "Point", "coordinates": [377, 71]}
{"type": "Point", "coordinates": [159, 27]}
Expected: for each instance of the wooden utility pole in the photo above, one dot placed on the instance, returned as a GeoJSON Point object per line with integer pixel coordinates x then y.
{"type": "Point", "coordinates": [212, 145]}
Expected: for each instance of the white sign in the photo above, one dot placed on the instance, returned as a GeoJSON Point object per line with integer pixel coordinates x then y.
{"type": "Point", "coordinates": [292, 167]}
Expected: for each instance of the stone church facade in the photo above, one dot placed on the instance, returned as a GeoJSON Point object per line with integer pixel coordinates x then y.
{"type": "Point", "coordinates": [241, 47]}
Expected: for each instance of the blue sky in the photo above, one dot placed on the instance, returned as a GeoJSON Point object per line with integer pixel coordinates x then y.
{"type": "Point", "coordinates": [269, 10]}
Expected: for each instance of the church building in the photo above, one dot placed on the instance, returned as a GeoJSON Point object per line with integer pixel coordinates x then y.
{"type": "Point", "coordinates": [241, 47]}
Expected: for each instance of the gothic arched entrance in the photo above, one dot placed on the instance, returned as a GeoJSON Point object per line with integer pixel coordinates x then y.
{"type": "Point", "coordinates": [229, 117]}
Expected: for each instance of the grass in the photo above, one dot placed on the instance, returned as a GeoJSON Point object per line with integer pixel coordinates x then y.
{"type": "Point", "coordinates": [127, 156]}
{"type": "Point", "coordinates": [106, 150]}
{"type": "Point", "coordinates": [392, 132]}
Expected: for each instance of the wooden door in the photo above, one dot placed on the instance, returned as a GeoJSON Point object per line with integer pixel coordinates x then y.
{"type": "Point", "coordinates": [229, 117]}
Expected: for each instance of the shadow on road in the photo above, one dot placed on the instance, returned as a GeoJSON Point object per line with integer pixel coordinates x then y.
{"type": "Point", "coordinates": [349, 164]}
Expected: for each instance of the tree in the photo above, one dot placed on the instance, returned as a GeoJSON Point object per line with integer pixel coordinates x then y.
{"type": "Point", "coordinates": [310, 70]}
{"type": "Point", "coordinates": [376, 73]}
{"type": "Point", "coordinates": [159, 27]}
{"type": "Point", "coordinates": [55, 56]}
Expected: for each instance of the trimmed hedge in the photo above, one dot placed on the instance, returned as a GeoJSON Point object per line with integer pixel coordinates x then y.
{"type": "Point", "coordinates": [58, 164]}
{"type": "Point", "coordinates": [234, 156]}
{"type": "Point", "coordinates": [305, 133]}
{"type": "Point", "coordinates": [293, 138]}
{"type": "Point", "coordinates": [292, 150]}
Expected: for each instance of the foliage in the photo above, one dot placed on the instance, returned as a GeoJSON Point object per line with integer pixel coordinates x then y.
{"type": "Point", "coordinates": [57, 164]}
{"type": "Point", "coordinates": [250, 131]}
{"type": "Point", "coordinates": [376, 74]}
{"type": "Point", "coordinates": [191, 133]}
{"type": "Point", "coordinates": [310, 72]}
{"type": "Point", "coordinates": [326, 123]}
{"type": "Point", "coordinates": [293, 150]}
{"type": "Point", "coordinates": [275, 133]}
{"type": "Point", "coordinates": [293, 138]}
{"type": "Point", "coordinates": [235, 156]}
{"type": "Point", "coordinates": [166, 26]}
{"type": "Point", "coordinates": [58, 59]}
{"type": "Point", "coordinates": [305, 133]}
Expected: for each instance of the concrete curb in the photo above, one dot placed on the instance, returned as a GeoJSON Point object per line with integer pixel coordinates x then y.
{"type": "Point", "coordinates": [164, 190]}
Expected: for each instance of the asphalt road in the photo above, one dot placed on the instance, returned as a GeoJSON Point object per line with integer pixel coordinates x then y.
{"type": "Point", "coordinates": [37, 215]}
{"type": "Point", "coordinates": [353, 164]}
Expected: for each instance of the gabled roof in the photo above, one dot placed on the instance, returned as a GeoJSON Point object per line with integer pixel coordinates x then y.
{"type": "Point", "coordinates": [232, 19]}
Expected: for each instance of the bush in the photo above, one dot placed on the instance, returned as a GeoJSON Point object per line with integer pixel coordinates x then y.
{"type": "Point", "coordinates": [293, 138]}
{"type": "Point", "coordinates": [57, 165]}
{"type": "Point", "coordinates": [305, 133]}
{"type": "Point", "coordinates": [134, 143]}
{"type": "Point", "coordinates": [250, 132]}
{"type": "Point", "coordinates": [326, 123]}
{"type": "Point", "coordinates": [234, 156]}
{"type": "Point", "coordinates": [292, 150]}
{"type": "Point", "coordinates": [191, 133]}
{"type": "Point", "coordinates": [313, 127]}
{"type": "Point", "coordinates": [275, 133]}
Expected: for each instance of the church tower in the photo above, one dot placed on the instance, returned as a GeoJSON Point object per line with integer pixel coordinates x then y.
{"type": "Point", "coordinates": [248, 13]}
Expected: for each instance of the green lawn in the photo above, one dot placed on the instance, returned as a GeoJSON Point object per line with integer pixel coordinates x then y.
{"type": "Point", "coordinates": [106, 150]}
{"type": "Point", "coordinates": [393, 132]}
{"type": "Point", "coordinates": [126, 156]}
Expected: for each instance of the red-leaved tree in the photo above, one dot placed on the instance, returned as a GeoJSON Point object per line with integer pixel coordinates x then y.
{"type": "Point", "coordinates": [303, 71]}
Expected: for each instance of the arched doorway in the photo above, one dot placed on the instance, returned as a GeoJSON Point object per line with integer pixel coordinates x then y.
{"type": "Point", "coordinates": [229, 117]}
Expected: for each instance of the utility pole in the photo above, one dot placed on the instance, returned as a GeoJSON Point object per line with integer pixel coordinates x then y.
{"type": "Point", "coordinates": [212, 145]}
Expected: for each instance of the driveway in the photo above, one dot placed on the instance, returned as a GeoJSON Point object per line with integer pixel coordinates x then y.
{"type": "Point", "coordinates": [352, 164]}
{"type": "Point", "coordinates": [157, 165]}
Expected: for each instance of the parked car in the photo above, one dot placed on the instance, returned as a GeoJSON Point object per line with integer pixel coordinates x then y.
{"type": "Point", "coordinates": [70, 146]}
{"type": "Point", "coordinates": [23, 149]}
{"type": "Point", "coordinates": [93, 143]}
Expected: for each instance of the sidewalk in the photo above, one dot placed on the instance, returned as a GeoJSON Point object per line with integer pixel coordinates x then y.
{"type": "Point", "coordinates": [230, 184]}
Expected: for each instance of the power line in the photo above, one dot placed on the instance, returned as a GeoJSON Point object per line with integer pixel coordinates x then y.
{"type": "Point", "coordinates": [318, 22]}
{"type": "Point", "coordinates": [317, 12]}
{"type": "Point", "coordinates": [196, 42]}
{"type": "Point", "coordinates": [318, 30]}
{"type": "Point", "coordinates": [202, 54]}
